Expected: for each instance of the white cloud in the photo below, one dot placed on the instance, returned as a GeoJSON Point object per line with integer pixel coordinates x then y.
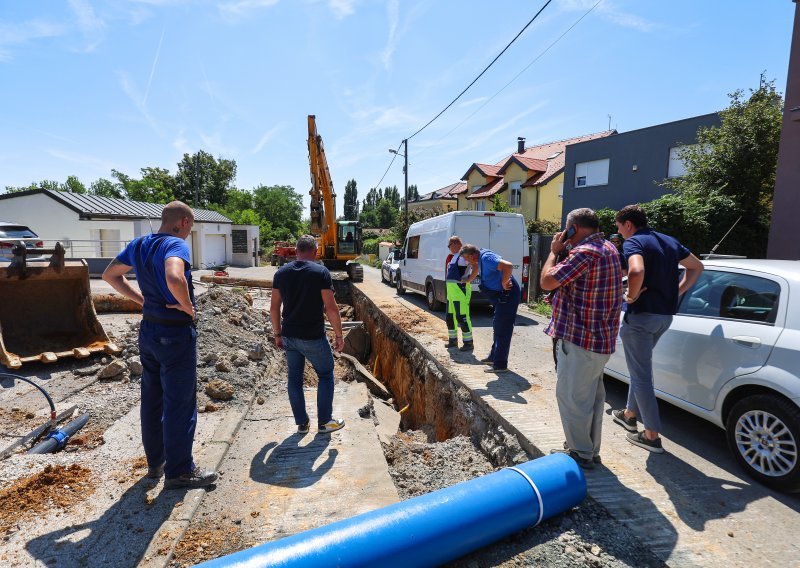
{"type": "Point", "coordinates": [609, 11]}
{"type": "Point", "coordinates": [153, 68]}
{"type": "Point", "coordinates": [342, 8]}
{"type": "Point", "coordinates": [471, 102]}
{"type": "Point", "coordinates": [12, 35]}
{"type": "Point", "coordinates": [181, 144]}
{"type": "Point", "coordinates": [393, 15]}
{"type": "Point", "coordinates": [239, 8]}
{"type": "Point", "coordinates": [84, 160]}
{"type": "Point", "coordinates": [213, 143]}
{"type": "Point", "coordinates": [268, 135]}
{"type": "Point", "coordinates": [130, 89]}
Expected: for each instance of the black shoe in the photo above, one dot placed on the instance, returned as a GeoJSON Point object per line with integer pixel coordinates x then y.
{"type": "Point", "coordinates": [628, 423]}
{"type": "Point", "coordinates": [452, 343]}
{"type": "Point", "coordinates": [639, 439]}
{"type": "Point", "coordinates": [495, 370]}
{"type": "Point", "coordinates": [468, 346]}
{"type": "Point", "coordinates": [584, 463]}
{"type": "Point", "coordinates": [155, 472]}
{"type": "Point", "coordinates": [487, 360]}
{"type": "Point", "coordinates": [303, 428]}
{"type": "Point", "coordinates": [197, 478]}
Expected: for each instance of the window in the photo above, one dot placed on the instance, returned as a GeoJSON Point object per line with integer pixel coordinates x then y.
{"type": "Point", "coordinates": [729, 295]}
{"type": "Point", "coordinates": [677, 167]}
{"type": "Point", "coordinates": [591, 173]}
{"type": "Point", "coordinates": [412, 249]}
{"type": "Point", "coordinates": [561, 190]}
{"type": "Point", "coordinates": [480, 205]}
{"type": "Point", "coordinates": [515, 194]}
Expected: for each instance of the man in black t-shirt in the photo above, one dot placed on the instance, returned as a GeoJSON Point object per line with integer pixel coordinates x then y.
{"type": "Point", "coordinates": [305, 290]}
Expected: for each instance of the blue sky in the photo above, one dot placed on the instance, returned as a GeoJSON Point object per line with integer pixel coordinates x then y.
{"type": "Point", "coordinates": [91, 85]}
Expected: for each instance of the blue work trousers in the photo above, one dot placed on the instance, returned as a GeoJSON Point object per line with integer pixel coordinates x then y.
{"type": "Point", "coordinates": [319, 354]}
{"type": "Point", "coordinates": [639, 333]}
{"type": "Point", "coordinates": [505, 306]}
{"type": "Point", "coordinates": [169, 395]}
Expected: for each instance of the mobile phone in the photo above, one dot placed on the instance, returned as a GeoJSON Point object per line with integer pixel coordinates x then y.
{"type": "Point", "coordinates": [568, 234]}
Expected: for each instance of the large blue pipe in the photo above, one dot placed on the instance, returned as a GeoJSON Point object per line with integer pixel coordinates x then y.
{"type": "Point", "coordinates": [430, 529]}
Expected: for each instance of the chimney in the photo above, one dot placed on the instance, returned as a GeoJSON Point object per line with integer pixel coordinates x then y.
{"type": "Point", "coordinates": [520, 145]}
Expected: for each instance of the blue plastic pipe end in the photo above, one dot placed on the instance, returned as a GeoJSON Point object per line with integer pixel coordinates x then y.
{"type": "Point", "coordinates": [434, 528]}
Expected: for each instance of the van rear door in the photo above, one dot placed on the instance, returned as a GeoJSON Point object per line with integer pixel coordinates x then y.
{"type": "Point", "coordinates": [506, 238]}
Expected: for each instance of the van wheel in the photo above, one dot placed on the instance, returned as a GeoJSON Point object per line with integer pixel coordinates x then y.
{"type": "Point", "coordinates": [430, 294]}
{"type": "Point", "coordinates": [398, 282]}
{"type": "Point", "coordinates": [763, 432]}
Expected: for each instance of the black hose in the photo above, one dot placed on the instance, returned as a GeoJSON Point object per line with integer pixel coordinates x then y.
{"type": "Point", "coordinates": [44, 392]}
{"type": "Point", "coordinates": [57, 439]}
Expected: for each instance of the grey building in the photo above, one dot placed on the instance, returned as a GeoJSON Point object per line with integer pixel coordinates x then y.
{"type": "Point", "coordinates": [627, 168]}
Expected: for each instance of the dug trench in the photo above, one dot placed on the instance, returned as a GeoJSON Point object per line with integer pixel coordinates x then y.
{"type": "Point", "coordinates": [445, 436]}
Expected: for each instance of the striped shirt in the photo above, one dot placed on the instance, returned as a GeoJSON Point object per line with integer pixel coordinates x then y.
{"type": "Point", "coordinates": [586, 306]}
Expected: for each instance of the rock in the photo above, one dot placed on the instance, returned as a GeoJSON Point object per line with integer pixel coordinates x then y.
{"type": "Point", "coordinates": [135, 366]}
{"type": "Point", "coordinates": [248, 298]}
{"type": "Point", "coordinates": [87, 371]}
{"type": "Point", "coordinates": [235, 320]}
{"type": "Point", "coordinates": [260, 400]}
{"type": "Point", "coordinates": [113, 370]}
{"type": "Point", "coordinates": [211, 407]}
{"type": "Point", "coordinates": [104, 361]}
{"type": "Point", "coordinates": [217, 311]}
{"type": "Point", "coordinates": [223, 366]}
{"type": "Point", "coordinates": [211, 358]}
{"type": "Point", "coordinates": [257, 352]}
{"type": "Point", "coordinates": [596, 550]}
{"type": "Point", "coordinates": [219, 390]}
{"type": "Point", "coordinates": [240, 359]}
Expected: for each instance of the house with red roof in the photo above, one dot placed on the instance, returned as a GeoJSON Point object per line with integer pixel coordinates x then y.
{"type": "Point", "coordinates": [530, 181]}
{"type": "Point", "coordinates": [439, 201]}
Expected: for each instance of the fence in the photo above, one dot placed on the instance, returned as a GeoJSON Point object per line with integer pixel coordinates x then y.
{"type": "Point", "coordinates": [540, 249]}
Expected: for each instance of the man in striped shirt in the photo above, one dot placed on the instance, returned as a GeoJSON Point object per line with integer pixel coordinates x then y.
{"type": "Point", "coordinates": [585, 323]}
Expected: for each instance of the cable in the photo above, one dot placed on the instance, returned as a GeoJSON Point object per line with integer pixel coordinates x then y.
{"type": "Point", "coordinates": [388, 167]}
{"type": "Point", "coordinates": [41, 389]}
{"type": "Point", "coordinates": [484, 71]}
{"type": "Point", "coordinates": [517, 76]}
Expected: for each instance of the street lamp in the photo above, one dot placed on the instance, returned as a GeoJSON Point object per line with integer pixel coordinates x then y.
{"type": "Point", "coordinates": [405, 171]}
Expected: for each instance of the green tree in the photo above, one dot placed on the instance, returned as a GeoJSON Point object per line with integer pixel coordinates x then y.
{"type": "Point", "coordinates": [282, 207]}
{"type": "Point", "coordinates": [73, 185]}
{"type": "Point", "coordinates": [106, 188]}
{"type": "Point", "coordinates": [238, 199]}
{"type": "Point", "coordinates": [737, 160]}
{"type": "Point", "coordinates": [386, 213]}
{"type": "Point", "coordinates": [200, 173]}
{"type": "Point", "coordinates": [413, 192]}
{"type": "Point", "coordinates": [155, 186]}
{"type": "Point", "coordinates": [350, 201]}
{"type": "Point", "coordinates": [393, 195]}
{"type": "Point", "coordinates": [500, 205]}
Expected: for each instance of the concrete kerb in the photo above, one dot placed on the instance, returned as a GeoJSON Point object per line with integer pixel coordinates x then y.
{"type": "Point", "coordinates": [162, 546]}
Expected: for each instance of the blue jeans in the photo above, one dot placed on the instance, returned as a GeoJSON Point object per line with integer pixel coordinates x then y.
{"type": "Point", "coordinates": [169, 395]}
{"type": "Point", "coordinates": [505, 305]}
{"type": "Point", "coordinates": [639, 334]}
{"type": "Point", "coordinates": [319, 354]}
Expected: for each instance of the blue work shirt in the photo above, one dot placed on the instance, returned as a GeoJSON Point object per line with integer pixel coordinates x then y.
{"type": "Point", "coordinates": [147, 256]}
{"type": "Point", "coordinates": [661, 254]}
{"type": "Point", "coordinates": [301, 283]}
{"type": "Point", "coordinates": [491, 278]}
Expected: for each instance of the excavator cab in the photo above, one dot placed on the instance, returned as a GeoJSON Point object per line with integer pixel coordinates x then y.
{"type": "Point", "coordinates": [349, 237]}
{"type": "Point", "coordinates": [46, 310]}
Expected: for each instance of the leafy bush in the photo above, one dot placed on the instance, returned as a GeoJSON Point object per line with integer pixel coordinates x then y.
{"type": "Point", "coordinates": [543, 226]}
{"type": "Point", "coordinates": [370, 246]}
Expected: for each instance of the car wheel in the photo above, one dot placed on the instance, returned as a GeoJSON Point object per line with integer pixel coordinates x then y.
{"type": "Point", "coordinates": [763, 433]}
{"type": "Point", "coordinates": [398, 282]}
{"type": "Point", "coordinates": [430, 294]}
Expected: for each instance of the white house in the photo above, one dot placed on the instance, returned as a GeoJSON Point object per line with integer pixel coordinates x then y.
{"type": "Point", "coordinates": [95, 227]}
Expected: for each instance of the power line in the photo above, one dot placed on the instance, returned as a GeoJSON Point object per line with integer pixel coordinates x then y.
{"type": "Point", "coordinates": [394, 156]}
{"type": "Point", "coordinates": [484, 71]}
{"type": "Point", "coordinates": [517, 76]}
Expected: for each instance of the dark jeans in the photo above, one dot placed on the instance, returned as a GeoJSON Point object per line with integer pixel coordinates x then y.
{"type": "Point", "coordinates": [319, 354]}
{"type": "Point", "coordinates": [169, 395]}
{"type": "Point", "coordinates": [505, 306]}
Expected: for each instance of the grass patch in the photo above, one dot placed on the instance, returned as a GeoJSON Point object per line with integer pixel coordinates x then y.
{"type": "Point", "coordinates": [542, 308]}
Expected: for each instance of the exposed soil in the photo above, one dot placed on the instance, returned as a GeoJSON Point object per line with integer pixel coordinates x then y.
{"type": "Point", "coordinates": [55, 486]}
{"type": "Point", "coordinates": [208, 540]}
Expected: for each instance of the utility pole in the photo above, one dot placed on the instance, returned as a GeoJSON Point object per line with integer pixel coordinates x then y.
{"type": "Point", "coordinates": [196, 179]}
{"type": "Point", "coordinates": [405, 171]}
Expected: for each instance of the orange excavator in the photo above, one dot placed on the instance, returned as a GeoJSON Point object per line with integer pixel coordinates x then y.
{"type": "Point", "coordinates": [339, 242]}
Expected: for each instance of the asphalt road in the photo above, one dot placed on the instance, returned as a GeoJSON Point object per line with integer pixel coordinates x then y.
{"type": "Point", "coordinates": [692, 505]}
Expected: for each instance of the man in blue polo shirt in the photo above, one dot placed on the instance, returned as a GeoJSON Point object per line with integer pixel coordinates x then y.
{"type": "Point", "coordinates": [499, 286]}
{"type": "Point", "coordinates": [167, 345]}
{"type": "Point", "coordinates": [654, 287]}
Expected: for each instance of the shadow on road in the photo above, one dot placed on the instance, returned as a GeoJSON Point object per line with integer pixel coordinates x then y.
{"type": "Point", "coordinates": [507, 386]}
{"type": "Point", "coordinates": [119, 537]}
{"type": "Point", "coordinates": [289, 464]}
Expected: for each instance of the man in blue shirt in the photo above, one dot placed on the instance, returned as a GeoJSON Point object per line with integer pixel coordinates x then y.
{"type": "Point", "coordinates": [499, 286]}
{"type": "Point", "coordinates": [654, 287]}
{"type": "Point", "coordinates": [305, 290]}
{"type": "Point", "coordinates": [167, 345]}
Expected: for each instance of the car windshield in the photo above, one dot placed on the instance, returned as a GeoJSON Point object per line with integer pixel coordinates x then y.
{"type": "Point", "coordinates": [16, 233]}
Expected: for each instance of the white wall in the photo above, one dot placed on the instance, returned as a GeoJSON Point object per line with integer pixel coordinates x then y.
{"type": "Point", "coordinates": [246, 259]}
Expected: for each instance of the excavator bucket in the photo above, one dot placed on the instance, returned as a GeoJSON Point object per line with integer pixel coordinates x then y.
{"type": "Point", "coordinates": [46, 310]}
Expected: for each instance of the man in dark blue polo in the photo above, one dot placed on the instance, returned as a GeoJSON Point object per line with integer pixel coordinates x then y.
{"type": "Point", "coordinates": [499, 286]}
{"type": "Point", "coordinates": [654, 287]}
{"type": "Point", "coordinates": [167, 345]}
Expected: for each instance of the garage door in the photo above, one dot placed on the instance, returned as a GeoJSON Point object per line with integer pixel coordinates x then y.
{"type": "Point", "coordinates": [215, 250]}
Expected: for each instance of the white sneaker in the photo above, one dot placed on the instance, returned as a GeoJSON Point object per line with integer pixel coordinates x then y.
{"type": "Point", "coordinates": [332, 426]}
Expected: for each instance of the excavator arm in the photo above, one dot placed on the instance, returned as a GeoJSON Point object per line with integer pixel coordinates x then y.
{"type": "Point", "coordinates": [323, 199]}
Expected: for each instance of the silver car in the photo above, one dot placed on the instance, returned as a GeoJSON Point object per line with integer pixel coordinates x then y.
{"type": "Point", "coordinates": [732, 356]}
{"type": "Point", "coordinates": [389, 268]}
{"type": "Point", "coordinates": [12, 234]}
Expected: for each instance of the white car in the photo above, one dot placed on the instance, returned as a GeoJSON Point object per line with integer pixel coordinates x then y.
{"type": "Point", "coordinates": [389, 268]}
{"type": "Point", "coordinates": [732, 356]}
{"type": "Point", "coordinates": [12, 234]}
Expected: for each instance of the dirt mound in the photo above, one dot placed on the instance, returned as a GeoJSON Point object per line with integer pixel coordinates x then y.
{"type": "Point", "coordinates": [56, 486]}
{"type": "Point", "coordinates": [206, 542]}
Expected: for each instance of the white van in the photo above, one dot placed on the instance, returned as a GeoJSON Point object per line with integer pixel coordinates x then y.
{"type": "Point", "coordinates": [423, 256]}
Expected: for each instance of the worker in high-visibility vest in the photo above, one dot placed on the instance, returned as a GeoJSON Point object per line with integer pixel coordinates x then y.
{"type": "Point", "coordinates": [458, 278]}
